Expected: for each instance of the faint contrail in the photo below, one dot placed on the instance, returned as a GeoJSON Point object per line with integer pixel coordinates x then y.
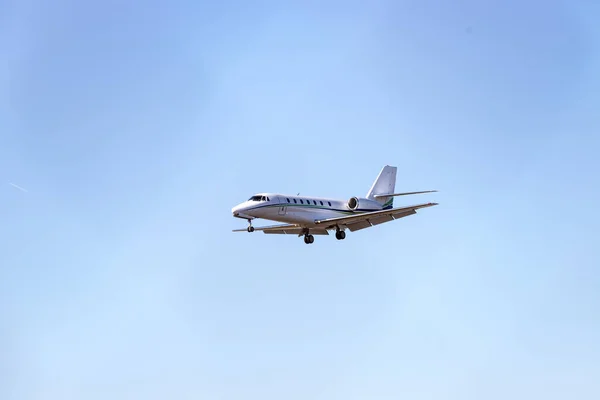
{"type": "Point", "coordinates": [18, 187]}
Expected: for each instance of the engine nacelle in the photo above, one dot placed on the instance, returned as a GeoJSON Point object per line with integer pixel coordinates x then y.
{"type": "Point", "coordinates": [360, 203]}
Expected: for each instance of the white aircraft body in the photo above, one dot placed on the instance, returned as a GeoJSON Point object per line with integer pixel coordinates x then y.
{"type": "Point", "coordinates": [308, 216]}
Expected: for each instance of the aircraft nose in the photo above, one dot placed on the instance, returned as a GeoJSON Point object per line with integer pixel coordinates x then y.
{"type": "Point", "coordinates": [236, 209]}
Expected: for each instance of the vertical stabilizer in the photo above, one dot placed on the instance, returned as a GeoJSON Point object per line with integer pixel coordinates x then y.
{"type": "Point", "coordinates": [384, 184]}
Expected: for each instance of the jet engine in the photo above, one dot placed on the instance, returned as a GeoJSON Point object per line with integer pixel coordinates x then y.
{"type": "Point", "coordinates": [359, 203]}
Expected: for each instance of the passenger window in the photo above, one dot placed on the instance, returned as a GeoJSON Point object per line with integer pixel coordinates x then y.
{"type": "Point", "coordinates": [315, 202]}
{"type": "Point", "coordinates": [295, 201]}
{"type": "Point", "coordinates": [301, 202]}
{"type": "Point", "coordinates": [321, 202]}
{"type": "Point", "coordinates": [329, 203]}
{"type": "Point", "coordinates": [288, 200]}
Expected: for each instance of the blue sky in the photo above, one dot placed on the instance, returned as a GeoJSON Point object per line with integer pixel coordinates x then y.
{"type": "Point", "coordinates": [135, 128]}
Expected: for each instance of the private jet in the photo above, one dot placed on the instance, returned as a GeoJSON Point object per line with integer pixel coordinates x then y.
{"type": "Point", "coordinates": [308, 216]}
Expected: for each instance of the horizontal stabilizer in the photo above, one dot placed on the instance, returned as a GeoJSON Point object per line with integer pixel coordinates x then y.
{"type": "Point", "coordinates": [403, 194]}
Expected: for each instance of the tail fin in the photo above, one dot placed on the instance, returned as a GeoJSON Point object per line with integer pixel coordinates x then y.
{"type": "Point", "coordinates": [384, 184]}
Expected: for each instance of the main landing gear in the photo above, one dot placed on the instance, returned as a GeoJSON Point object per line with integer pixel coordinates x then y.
{"type": "Point", "coordinates": [308, 238]}
{"type": "Point", "coordinates": [250, 227]}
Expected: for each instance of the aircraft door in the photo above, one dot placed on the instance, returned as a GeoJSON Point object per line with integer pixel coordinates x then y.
{"type": "Point", "coordinates": [282, 205]}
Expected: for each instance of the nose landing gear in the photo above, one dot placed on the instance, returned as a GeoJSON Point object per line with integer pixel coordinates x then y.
{"type": "Point", "coordinates": [250, 227]}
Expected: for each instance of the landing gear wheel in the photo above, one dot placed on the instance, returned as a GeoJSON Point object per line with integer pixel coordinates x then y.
{"type": "Point", "coordinates": [308, 239]}
{"type": "Point", "coordinates": [340, 235]}
{"type": "Point", "coordinates": [250, 228]}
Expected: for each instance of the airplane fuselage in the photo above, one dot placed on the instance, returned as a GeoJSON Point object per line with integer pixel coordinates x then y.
{"type": "Point", "coordinates": [301, 210]}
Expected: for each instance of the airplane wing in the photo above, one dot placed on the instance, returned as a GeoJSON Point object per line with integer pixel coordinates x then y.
{"type": "Point", "coordinates": [368, 219]}
{"type": "Point", "coordinates": [286, 229]}
{"type": "Point", "coordinates": [352, 222]}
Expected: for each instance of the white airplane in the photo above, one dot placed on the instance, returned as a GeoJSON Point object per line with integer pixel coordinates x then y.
{"type": "Point", "coordinates": [308, 216]}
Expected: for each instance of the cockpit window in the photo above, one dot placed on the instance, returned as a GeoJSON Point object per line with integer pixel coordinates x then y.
{"type": "Point", "coordinates": [259, 198]}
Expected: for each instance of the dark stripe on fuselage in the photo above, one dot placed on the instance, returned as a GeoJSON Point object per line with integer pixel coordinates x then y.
{"type": "Point", "coordinates": [317, 207]}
